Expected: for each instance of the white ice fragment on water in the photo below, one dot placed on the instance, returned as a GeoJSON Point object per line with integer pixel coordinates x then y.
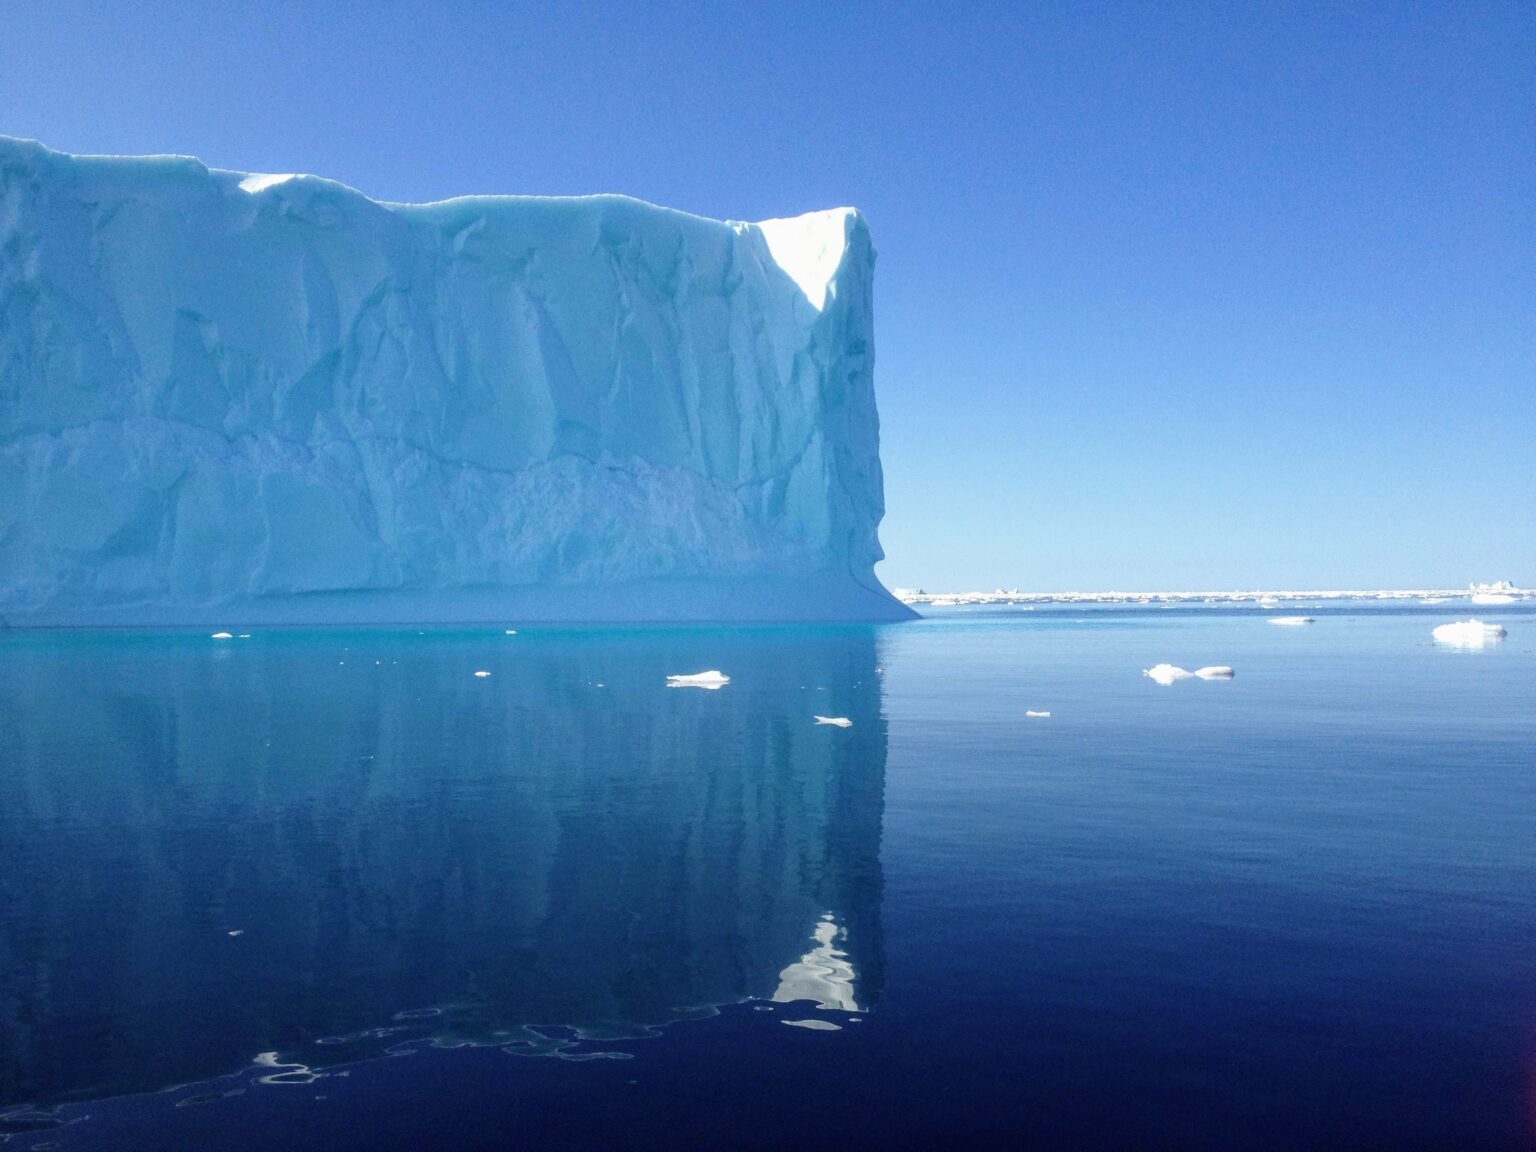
{"type": "Point", "coordinates": [236, 932]}
{"type": "Point", "coordinates": [1469, 634]}
{"type": "Point", "coordinates": [1491, 598]}
{"type": "Point", "coordinates": [511, 632]}
{"type": "Point", "coordinates": [1166, 674]}
{"type": "Point", "coordinates": [1215, 672]}
{"type": "Point", "coordinates": [712, 679]}
{"type": "Point", "coordinates": [221, 636]}
{"type": "Point", "coordinates": [1038, 715]}
{"type": "Point", "coordinates": [245, 636]}
{"type": "Point", "coordinates": [1291, 620]}
{"type": "Point", "coordinates": [481, 675]}
{"type": "Point", "coordinates": [839, 721]}
{"type": "Point", "coordinates": [814, 1025]}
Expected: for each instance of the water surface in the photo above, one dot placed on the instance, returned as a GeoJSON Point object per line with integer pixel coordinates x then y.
{"type": "Point", "coordinates": [334, 889]}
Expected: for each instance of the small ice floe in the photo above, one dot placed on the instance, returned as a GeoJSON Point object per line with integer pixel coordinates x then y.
{"type": "Point", "coordinates": [1469, 634]}
{"type": "Point", "coordinates": [235, 932]}
{"type": "Point", "coordinates": [1037, 715]}
{"type": "Point", "coordinates": [814, 1025]}
{"type": "Point", "coordinates": [481, 675]}
{"type": "Point", "coordinates": [511, 632]}
{"type": "Point", "coordinates": [1292, 621]}
{"type": "Point", "coordinates": [1166, 674]}
{"type": "Point", "coordinates": [222, 636]}
{"type": "Point", "coordinates": [1491, 598]}
{"type": "Point", "coordinates": [245, 636]}
{"type": "Point", "coordinates": [839, 721]}
{"type": "Point", "coordinates": [1269, 602]}
{"type": "Point", "coordinates": [1434, 600]}
{"type": "Point", "coordinates": [712, 680]}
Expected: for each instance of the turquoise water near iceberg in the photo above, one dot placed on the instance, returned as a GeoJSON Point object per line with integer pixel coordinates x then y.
{"type": "Point", "coordinates": [331, 889]}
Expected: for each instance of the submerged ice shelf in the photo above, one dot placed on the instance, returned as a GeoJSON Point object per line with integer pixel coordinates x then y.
{"type": "Point", "coordinates": [242, 397]}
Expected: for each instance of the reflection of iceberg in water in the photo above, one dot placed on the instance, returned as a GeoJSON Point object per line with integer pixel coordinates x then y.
{"type": "Point", "coordinates": [565, 844]}
{"type": "Point", "coordinates": [823, 974]}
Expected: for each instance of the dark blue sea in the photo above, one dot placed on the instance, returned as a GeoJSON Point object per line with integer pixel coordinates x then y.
{"type": "Point", "coordinates": [332, 890]}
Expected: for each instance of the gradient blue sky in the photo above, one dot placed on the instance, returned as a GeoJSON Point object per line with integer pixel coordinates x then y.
{"type": "Point", "coordinates": [1169, 296]}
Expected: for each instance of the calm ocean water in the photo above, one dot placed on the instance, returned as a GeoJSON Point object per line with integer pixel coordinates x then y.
{"type": "Point", "coordinates": [331, 890]}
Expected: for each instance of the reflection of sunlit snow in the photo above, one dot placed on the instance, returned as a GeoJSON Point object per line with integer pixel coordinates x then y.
{"type": "Point", "coordinates": [823, 974]}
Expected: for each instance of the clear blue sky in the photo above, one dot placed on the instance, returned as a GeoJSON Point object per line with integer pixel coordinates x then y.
{"type": "Point", "coordinates": [1169, 296]}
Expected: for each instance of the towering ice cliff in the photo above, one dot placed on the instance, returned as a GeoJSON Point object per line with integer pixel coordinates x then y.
{"type": "Point", "coordinates": [229, 397]}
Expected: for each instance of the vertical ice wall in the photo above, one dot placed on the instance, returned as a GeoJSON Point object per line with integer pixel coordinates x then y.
{"type": "Point", "coordinates": [250, 397]}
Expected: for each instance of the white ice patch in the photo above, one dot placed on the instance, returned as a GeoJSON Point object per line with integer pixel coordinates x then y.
{"type": "Point", "coordinates": [809, 249]}
{"type": "Point", "coordinates": [481, 675]}
{"type": "Point", "coordinates": [1469, 634]}
{"type": "Point", "coordinates": [1166, 674]}
{"type": "Point", "coordinates": [814, 1025]}
{"type": "Point", "coordinates": [1291, 621]}
{"type": "Point", "coordinates": [221, 636]}
{"type": "Point", "coordinates": [1038, 715]}
{"type": "Point", "coordinates": [839, 721]}
{"type": "Point", "coordinates": [1491, 598]}
{"type": "Point", "coordinates": [261, 181]}
{"type": "Point", "coordinates": [712, 679]}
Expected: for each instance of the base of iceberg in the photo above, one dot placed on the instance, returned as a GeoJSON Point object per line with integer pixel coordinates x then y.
{"type": "Point", "coordinates": [820, 597]}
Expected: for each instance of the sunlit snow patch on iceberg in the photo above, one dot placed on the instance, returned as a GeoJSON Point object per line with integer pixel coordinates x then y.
{"type": "Point", "coordinates": [712, 679]}
{"type": "Point", "coordinates": [1469, 634]}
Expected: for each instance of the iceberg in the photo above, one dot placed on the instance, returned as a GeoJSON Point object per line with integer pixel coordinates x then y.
{"type": "Point", "coordinates": [271, 399]}
{"type": "Point", "coordinates": [1166, 674]}
{"type": "Point", "coordinates": [1469, 634]}
{"type": "Point", "coordinates": [835, 721]}
{"type": "Point", "coordinates": [1291, 621]}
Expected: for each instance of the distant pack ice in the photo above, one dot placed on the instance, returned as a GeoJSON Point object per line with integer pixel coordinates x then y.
{"type": "Point", "coordinates": [230, 398]}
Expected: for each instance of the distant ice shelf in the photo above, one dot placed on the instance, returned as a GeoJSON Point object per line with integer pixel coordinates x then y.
{"type": "Point", "coordinates": [246, 398]}
{"type": "Point", "coordinates": [1503, 593]}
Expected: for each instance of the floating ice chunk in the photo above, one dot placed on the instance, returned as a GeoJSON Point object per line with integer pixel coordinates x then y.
{"type": "Point", "coordinates": [245, 635]}
{"type": "Point", "coordinates": [1469, 634]}
{"type": "Point", "coordinates": [1291, 620]}
{"type": "Point", "coordinates": [1434, 600]}
{"type": "Point", "coordinates": [1166, 674]}
{"type": "Point", "coordinates": [712, 679]}
{"type": "Point", "coordinates": [222, 636]}
{"type": "Point", "coordinates": [235, 932]}
{"type": "Point", "coordinates": [839, 721]}
{"type": "Point", "coordinates": [1215, 672]}
{"type": "Point", "coordinates": [1491, 598]}
{"type": "Point", "coordinates": [814, 1025]}
{"type": "Point", "coordinates": [1038, 715]}
{"type": "Point", "coordinates": [511, 631]}
{"type": "Point", "coordinates": [481, 675]}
